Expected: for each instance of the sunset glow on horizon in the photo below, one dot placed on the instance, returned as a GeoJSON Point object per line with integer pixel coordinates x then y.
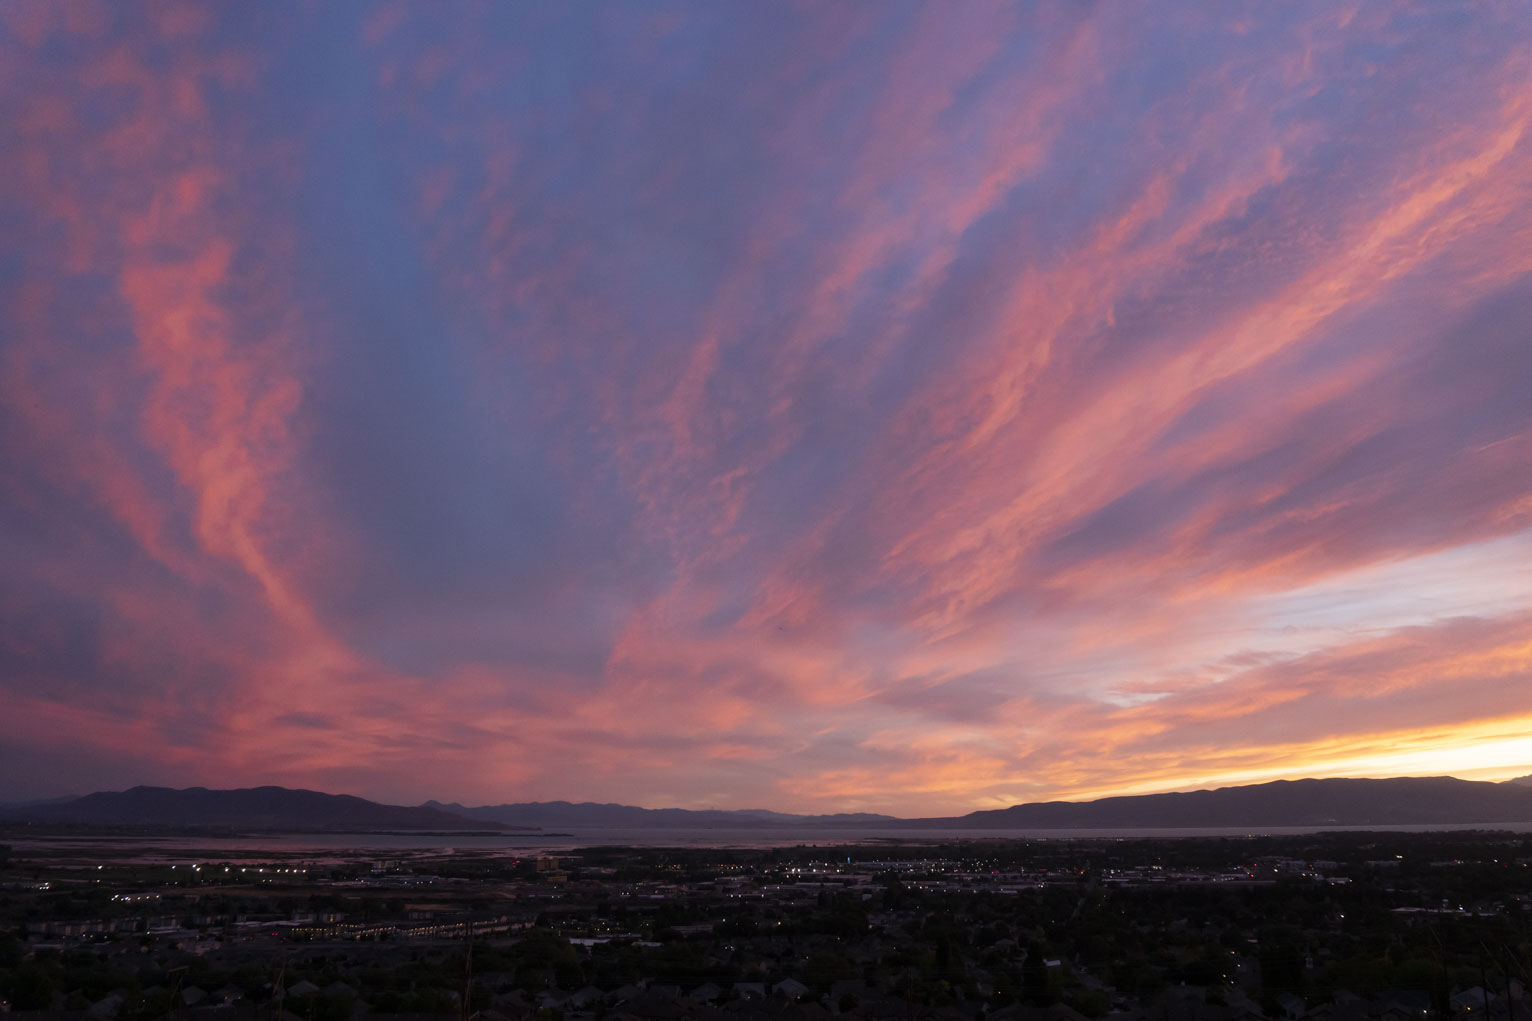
{"type": "Point", "coordinates": [911, 408]}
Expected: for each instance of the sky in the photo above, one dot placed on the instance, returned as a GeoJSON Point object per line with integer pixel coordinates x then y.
{"type": "Point", "coordinates": [818, 406]}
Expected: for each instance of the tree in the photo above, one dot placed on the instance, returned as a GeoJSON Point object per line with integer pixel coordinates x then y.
{"type": "Point", "coordinates": [31, 989]}
{"type": "Point", "coordinates": [1034, 978]}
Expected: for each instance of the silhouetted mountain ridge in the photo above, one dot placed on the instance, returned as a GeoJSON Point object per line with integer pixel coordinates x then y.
{"type": "Point", "coordinates": [1339, 801]}
{"type": "Point", "coordinates": [590, 813]}
{"type": "Point", "coordinates": [249, 808]}
{"type": "Point", "coordinates": [1313, 803]}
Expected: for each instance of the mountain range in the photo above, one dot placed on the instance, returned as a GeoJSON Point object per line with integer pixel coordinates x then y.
{"type": "Point", "coordinates": [248, 808]}
{"type": "Point", "coordinates": [1397, 801]}
{"type": "Point", "coordinates": [1317, 803]}
{"type": "Point", "coordinates": [588, 813]}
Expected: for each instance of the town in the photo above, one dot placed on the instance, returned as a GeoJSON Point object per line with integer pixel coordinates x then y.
{"type": "Point", "coordinates": [1347, 926]}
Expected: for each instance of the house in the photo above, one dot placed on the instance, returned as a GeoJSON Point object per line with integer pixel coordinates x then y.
{"type": "Point", "coordinates": [108, 1006]}
{"type": "Point", "coordinates": [584, 997]}
{"type": "Point", "coordinates": [225, 996]}
{"type": "Point", "coordinates": [791, 988]}
{"type": "Point", "coordinates": [654, 1007]}
{"type": "Point", "coordinates": [1473, 1000]}
{"type": "Point", "coordinates": [1292, 1004]}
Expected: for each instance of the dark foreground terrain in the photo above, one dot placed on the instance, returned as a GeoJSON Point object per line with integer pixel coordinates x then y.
{"type": "Point", "coordinates": [1329, 927]}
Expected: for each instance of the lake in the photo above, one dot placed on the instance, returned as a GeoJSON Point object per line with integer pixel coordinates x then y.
{"type": "Point", "coordinates": [331, 847]}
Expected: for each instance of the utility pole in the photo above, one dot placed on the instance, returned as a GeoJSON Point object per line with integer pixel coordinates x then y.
{"type": "Point", "coordinates": [281, 984]}
{"type": "Point", "coordinates": [175, 987]}
{"type": "Point", "coordinates": [467, 969]}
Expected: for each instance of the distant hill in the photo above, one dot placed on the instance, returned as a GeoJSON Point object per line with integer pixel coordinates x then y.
{"type": "Point", "coordinates": [8, 809]}
{"type": "Point", "coordinates": [1398, 801]}
{"type": "Point", "coordinates": [251, 808]}
{"type": "Point", "coordinates": [1524, 781]}
{"type": "Point", "coordinates": [553, 814]}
